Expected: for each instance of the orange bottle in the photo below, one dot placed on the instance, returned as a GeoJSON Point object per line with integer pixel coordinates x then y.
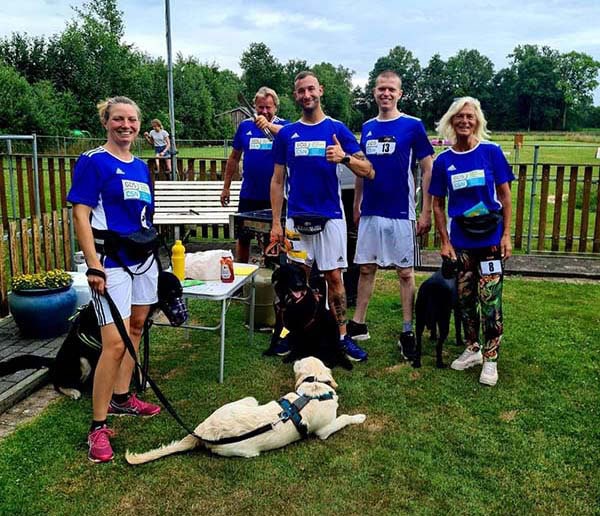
{"type": "Point", "coordinates": [227, 269]}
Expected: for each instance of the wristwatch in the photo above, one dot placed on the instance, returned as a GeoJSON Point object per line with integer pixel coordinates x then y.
{"type": "Point", "coordinates": [346, 159]}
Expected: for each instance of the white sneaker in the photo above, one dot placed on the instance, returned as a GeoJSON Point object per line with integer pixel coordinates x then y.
{"type": "Point", "coordinates": [467, 359]}
{"type": "Point", "coordinates": [489, 373]}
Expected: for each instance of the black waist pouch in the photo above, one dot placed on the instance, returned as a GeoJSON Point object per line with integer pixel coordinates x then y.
{"type": "Point", "coordinates": [309, 223]}
{"type": "Point", "coordinates": [138, 246]}
{"type": "Point", "coordinates": [480, 226]}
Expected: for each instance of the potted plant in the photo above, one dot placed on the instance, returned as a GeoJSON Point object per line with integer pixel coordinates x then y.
{"type": "Point", "coordinates": [42, 303]}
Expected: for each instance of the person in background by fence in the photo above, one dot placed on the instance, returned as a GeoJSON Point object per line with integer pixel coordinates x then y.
{"type": "Point", "coordinates": [159, 139]}
{"type": "Point", "coordinates": [111, 193]}
{"type": "Point", "coordinates": [386, 208]}
{"type": "Point", "coordinates": [475, 176]}
{"type": "Point", "coordinates": [251, 141]}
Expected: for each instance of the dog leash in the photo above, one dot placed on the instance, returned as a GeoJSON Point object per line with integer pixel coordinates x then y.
{"type": "Point", "coordinates": [118, 320]}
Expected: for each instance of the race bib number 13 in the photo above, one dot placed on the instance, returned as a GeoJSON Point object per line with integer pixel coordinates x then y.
{"type": "Point", "coordinates": [380, 147]}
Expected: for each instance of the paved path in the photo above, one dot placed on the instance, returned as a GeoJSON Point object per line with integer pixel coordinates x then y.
{"type": "Point", "coordinates": [22, 384]}
{"type": "Point", "coordinates": [17, 386]}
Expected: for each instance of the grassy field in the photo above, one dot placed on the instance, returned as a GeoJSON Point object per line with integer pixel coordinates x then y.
{"type": "Point", "coordinates": [435, 441]}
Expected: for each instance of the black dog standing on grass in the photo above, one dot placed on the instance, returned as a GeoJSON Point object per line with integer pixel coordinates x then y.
{"type": "Point", "coordinates": [436, 299]}
{"type": "Point", "coordinates": [313, 330]}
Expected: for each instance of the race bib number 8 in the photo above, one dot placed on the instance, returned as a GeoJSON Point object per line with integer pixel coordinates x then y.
{"type": "Point", "coordinates": [489, 267]}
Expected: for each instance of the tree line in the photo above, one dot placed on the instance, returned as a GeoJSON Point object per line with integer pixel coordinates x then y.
{"type": "Point", "coordinates": [50, 85]}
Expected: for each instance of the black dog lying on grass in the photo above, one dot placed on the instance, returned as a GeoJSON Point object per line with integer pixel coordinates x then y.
{"type": "Point", "coordinates": [436, 299]}
{"type": "Point", "coordinates": [313, 330]}
{"type": "Point", "coordinates": [72, 371]}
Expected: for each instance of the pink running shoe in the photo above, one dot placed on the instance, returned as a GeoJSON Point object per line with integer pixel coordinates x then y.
{"type": "Point", "coordinates": [133, 407]}
{"type": "Point", "coordinates": [99, 443]}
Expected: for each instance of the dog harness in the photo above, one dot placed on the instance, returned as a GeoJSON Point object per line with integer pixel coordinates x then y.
{"type": "Point", "coordinates": [290, 411]}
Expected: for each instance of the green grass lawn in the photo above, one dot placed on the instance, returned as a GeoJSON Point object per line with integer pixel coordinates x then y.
{"type": "Point", "coordinates": [435, 441]}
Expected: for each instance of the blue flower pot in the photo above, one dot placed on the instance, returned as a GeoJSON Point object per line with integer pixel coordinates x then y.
{"type": "Point", "coordinates": [43, 313]}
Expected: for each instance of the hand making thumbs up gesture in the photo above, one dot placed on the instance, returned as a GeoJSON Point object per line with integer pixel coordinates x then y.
{"type": "Point", "coordinates": [334, 153]}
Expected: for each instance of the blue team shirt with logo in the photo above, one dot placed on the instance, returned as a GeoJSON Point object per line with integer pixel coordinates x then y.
{"type": "Point", "coordinates": [313, 183]}
{"type": "Point", "coordinates": [257, 167]}
{"type": "Point", "coordinates": [392, 147]}
{"type": "Point", "coordinates": [119, 192]}
{"type": "Point", "coordinates": [469, 179]}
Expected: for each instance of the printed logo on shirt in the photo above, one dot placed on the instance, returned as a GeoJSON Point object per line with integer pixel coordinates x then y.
{"type": "Point", "coordinates": [294, 136]}
{"type": "Point", "coordinates": [136, 191]}
{"type": "Point", "coordinates": [468, 179]}
{"type": "Point", "coordinates": [381, 146]}
{"type": "Point", "coordinates": [451, 168]}
{"type": "Point", "coordinates": [260, 144]}
{"type": "Point", "coordinates": [369, 134]}
{"type": "Point", "coordinates": [249, 133]}
{"type": "Point", "coordinates": [119, 172]}
{"type": "Point", "coordinates": [315, 148]}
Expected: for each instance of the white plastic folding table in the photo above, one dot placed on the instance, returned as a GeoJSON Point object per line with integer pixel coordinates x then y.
{"type": "Point", "coordinates": [225, 292]}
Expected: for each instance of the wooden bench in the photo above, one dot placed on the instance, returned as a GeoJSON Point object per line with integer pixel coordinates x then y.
{"type": "Point", "coordinates": [197, 203]}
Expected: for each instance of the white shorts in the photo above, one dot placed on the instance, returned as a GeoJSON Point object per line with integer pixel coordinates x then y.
{"type": "Point", "coordinates": [387, 242]}
{"type": "Point", "coordinates": [125, 291]}
{"type": "Point", "coordinates": [327, 248]}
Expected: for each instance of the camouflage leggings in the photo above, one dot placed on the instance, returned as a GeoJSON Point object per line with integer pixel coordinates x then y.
{"type": "Point", "coordinates": [480, 299]}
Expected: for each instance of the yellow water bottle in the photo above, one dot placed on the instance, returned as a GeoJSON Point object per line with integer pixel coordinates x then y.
{"type": "Point", "coordinates": [178, 260]}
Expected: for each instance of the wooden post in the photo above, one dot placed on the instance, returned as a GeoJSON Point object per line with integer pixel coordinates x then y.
{"type": "Point", "coordinates": [571, 209]}
{"type": "Point", "coordinates": [560, 177]}
{"type": "Point", "coordinates": [585, 209]}
{"type": "Point", "coordinates": [543, 207]}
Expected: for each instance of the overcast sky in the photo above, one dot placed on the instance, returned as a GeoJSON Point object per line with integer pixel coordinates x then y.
{"type": "Point", "coordinates": [349, 33]}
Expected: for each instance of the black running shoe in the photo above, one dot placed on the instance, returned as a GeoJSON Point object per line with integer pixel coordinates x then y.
{"type": "Point", "coordinates": [357, 331]}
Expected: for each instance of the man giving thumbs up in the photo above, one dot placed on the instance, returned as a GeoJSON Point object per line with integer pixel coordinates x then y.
{"type": "Point", "coordinates": [311, 148]}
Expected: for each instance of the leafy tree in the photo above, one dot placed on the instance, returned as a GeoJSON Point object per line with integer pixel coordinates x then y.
{"type": "Point", "coordinates": [539, 99]}
{"type": "Point", "coordinates": [401, 61]}
{"type": "Point", "coordinates": [38, 108]}
{"type": "Point", "coordinates": [436, 90]}
{"type": "Point", "coordinates": [27, 55]}
{"type": "Point", "coordinates": [89, 60]}
{"type": "Point", "coordinates": [260, 68]}
{"type": "Point", "coordinates": [470, 73]}
{"type": "Point", "coordinates": [337, 88]}
{"type": "Point", "coordinates": [53, 112]}
{"type": "Point", "coordinates": [577, 80]}
{"type": "Point", "coordinates": [15, 102]}
{"type": "Point", "coordinates": [502, 112]}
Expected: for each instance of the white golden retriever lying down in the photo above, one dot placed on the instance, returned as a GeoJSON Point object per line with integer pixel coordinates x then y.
{"type": "Point", "coordinates": [314, 395]}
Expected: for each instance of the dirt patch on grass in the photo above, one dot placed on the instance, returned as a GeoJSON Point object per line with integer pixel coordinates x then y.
{"type": "Point", "coordinates": [508, 415]}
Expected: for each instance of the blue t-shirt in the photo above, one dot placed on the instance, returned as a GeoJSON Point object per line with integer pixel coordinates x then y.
{"type": "Point", "coordinates": [469, 179]}
{"type": "Point", "coordinates": [257, 167]}
{"type": "Point", "coordinates": [313, 183]}
{"type": "Point", "coordinates": [392, 146]}
{"type": "Point", "coordinates": [118, 192]}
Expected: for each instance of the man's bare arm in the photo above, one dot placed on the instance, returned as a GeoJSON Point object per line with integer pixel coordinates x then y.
{"type": "Point", "coordinates": [232, 166]}
{"type": "Point", "coordinates": [424, 222]}
{"type": "Point", "coordinates": [277, 184]}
